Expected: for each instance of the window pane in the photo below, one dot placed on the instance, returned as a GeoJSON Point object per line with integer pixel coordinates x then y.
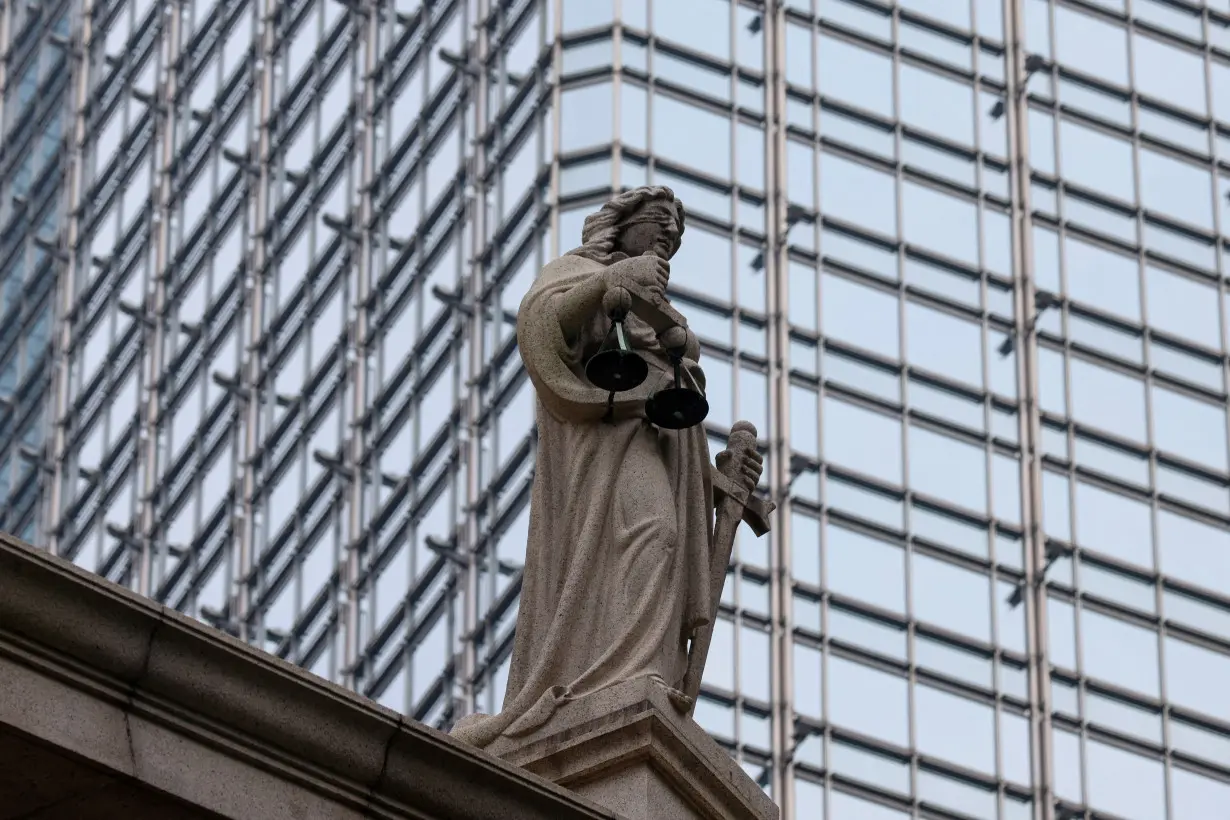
{"type": "Point", "coordinates": [868, 701]}
{"type": "Point", "coordinates": [948, 469]}
{"type": "Point", "coordinates": [703, 264]}
{"type": "Point", "coordinates": [1194, 796]}
{"type": "Point", "coordinates": [1196, 678]}
{"type": "Point", "coordinates": [754, 663]}
{"type": "Point", "coordinates": [1123, 783]}
{"type": "Point", "coordinates": [585, 15]}
{"type": "Point", "coordinates": [1193, 551]}
{"type": "Point", "coordinates": [862, 440]}
{"type": "Point", "coordinates": [937, 104]}
{"type": "Point", "coordinates": [847, 807]}
{"type": "Point", "coordinates": [587, 117]}
{"type": "Point", "coordinates": [675, 126]}
{"type": "Point", "coordinates": [1095, 159]}
{"type": "Point", "coordinates": [1176, 189]}
{"type": "Point", "coordinates": [700, 24]}
{"type": "Point", "coordinates": [1113, 524]}
{"type": "Point", "coordinates": [865, 568]}
{"type": "Point", "coordinates": [633, 122]}
{"type": "Point", "coordinates": [855, 75]}
{"type": "Point", "coordinates": [1108, 399]}
{"type": "Point", "coordinates": [875, 636]}
{"type": "Point", "coordinates": [1119, 652]}
{"type": "Point", "coordinates": [857, 193]}
{"type": "Point", "coordinates": [955, 729]}
{"type": "Point", "coordinates": [944, 343]}
{"type": "Point", "coordinates": [807, 681]}
{"type": "Point", "coordinates": [1090, 45]}
{"type": "Point", "coordinates": [951, 597]}
{"type": "Point", "coordinates": [943, 223]}
{"type": "Point", "coordinates": [859, 315]}
{"type": "Point", "coordinates": [1103, 280]}
{"type": "Point", "coordinates": [1190, 428]}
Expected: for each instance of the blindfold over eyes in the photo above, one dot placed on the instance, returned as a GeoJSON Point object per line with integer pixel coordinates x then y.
{"type": "Point", "coordinates": [658, 217]}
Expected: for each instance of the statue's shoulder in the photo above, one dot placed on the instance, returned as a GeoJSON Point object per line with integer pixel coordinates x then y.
{"type": "Point", "coordinates": [556, 276]}
{"type": "Point", "coordinates": [570, 265]}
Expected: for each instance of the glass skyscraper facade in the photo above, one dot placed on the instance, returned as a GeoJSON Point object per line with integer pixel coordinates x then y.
{"type": "Point", "coordinates": [962, 262]}
{"type": "Point", "coordinates": [36, 80]}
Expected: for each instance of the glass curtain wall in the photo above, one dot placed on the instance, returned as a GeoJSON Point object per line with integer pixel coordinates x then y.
{"type": "Point", "coordinates": [960, 261]}
{"type": "Point", "coordinates": [34, 116]}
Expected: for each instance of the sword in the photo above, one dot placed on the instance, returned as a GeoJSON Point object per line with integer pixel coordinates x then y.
{"type": "Point", "coordinates": [736, 504]}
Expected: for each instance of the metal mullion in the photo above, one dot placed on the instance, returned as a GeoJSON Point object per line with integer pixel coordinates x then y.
{"type": "Point", "coordinates": [1059, 113]}
{"type": "Point", "coordinates": [315, 297]}
{"type": "Point", "coordinates": [247, 516]}
{"type": "Point", "coordinates": [731, 117]}
{"type": "Point", "coordinates": [64, 466]}
{"type": "Point", "coordinates": [733, 577]}
{"type": "Point", "coordinates": [418, 496]}
{"type": "Point", "coordinates": [1150, 419]}
{"type": "Point", "coordinates": [903, 300]}
{"type": "Point", "coordinates": [375, 410]}
{"type": "Point", "coordinates": [617, 39]}
{"type": "Point", "coordinates": [778, 378]}
{"type": "Point", "coordinates": [1031, 479]}
{"type": "Point", "coordinates": [1218, 230]}
{"type": "Point", "coordinates": [286, 581]}
{"type": "Point", "coordinates": [354, 452]}
{"type": "Point", "coordinates": [554, 40]}
{"type": "Point", "coordinates": [150, 418]}
{"type": "Point", "coordinates": [996, 657]}
{"type": "Point", "coordinates": [113, 451]}
{"type": "Point", "coordinates": [478, 207]}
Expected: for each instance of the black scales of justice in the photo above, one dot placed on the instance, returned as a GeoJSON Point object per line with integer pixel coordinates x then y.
{"type": "Point", "coordinates": [677, 402]}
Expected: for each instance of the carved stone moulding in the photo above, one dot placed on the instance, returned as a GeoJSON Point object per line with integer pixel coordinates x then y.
{"type": "Point", "coordinates": [628, 748]}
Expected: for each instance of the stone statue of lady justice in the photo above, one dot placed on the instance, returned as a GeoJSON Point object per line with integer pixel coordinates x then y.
{"type": "Point", "coordinates": [624, 551]}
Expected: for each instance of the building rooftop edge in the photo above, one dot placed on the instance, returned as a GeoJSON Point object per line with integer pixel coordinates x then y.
{"type": "Point", "coordinates": [167, 668]}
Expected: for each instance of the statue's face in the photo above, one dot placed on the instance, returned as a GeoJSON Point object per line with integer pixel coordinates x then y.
{"type": "Point", "coordinates": [652, 227]}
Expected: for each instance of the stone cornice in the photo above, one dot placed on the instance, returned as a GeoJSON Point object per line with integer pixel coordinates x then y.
{"type": "Point", "coordinates": [167, 670]}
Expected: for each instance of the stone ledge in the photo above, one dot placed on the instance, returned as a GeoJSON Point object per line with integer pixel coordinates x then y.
{"type": "Point", "coordinates": [137, 686]}
{"type": "Point", "coordinates": [606, 735]}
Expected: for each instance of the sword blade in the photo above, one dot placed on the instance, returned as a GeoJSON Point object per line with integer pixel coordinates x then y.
{"type": "Point", "coordinates": [726, 525]}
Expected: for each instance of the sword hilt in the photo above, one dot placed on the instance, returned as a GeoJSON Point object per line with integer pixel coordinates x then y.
{"type": "Point", "coordinates": [742, 437]}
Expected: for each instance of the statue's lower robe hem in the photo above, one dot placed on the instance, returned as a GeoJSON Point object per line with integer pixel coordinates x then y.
{"type": "Point", "coordinates": [482, 730]}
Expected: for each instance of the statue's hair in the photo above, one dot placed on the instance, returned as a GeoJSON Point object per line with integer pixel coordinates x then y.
{"type": "Point", "coordinates": [602, 228]}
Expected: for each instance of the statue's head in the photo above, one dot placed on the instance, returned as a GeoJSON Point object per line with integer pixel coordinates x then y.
{"type": "Point", "coordinates": [633, 222]}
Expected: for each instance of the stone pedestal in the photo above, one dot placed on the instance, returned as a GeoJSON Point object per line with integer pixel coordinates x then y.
{"type": "Point", "coordinates": [628, 749]}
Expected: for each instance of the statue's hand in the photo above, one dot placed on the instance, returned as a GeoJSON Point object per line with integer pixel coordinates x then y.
{"type": "Point", "coordinates": [647, 272]}
{"type": "Point", "coordinates": [743, 466]}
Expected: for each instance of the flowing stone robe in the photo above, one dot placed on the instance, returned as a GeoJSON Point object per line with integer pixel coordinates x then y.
{"type": "Point", "coordinates": [621, 519]}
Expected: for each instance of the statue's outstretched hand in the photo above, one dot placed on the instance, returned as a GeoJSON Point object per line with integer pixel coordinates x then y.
{"type": "Point", "coordinates": [647, 272]}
